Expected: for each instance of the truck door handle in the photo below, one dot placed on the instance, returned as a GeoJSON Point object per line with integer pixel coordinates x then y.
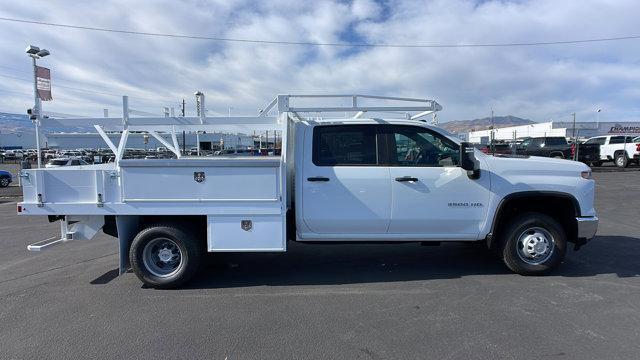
{"type": "Point", "coordinates": [318, 178]}
{"type": "Point", "coordinates": [406, 178]}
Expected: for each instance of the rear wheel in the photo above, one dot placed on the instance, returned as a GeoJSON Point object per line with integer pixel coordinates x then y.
{"type": "Point", "coordinates": [164, 256]}
{"type": "Point", "coordinates": [622, 161]}
{"type": "Point", "coordinates": [533, 244]}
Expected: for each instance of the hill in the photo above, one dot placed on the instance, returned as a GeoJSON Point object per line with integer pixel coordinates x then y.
{"type": "Point", "coordinates": [10, 123]}
{"type": "Point", "coordinates": [17, 123]}
{"type": "Point", "coordinates": [463, 126]}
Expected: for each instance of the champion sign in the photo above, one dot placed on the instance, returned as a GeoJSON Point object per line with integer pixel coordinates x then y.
{"type": "Point", "coordinates": [43, 83]}
{"type": "Point", "coordinates": [619, 129]}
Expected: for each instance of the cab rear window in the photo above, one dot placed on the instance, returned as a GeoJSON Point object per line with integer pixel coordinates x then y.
{"type": "Point", "coordinates": [344, 145]}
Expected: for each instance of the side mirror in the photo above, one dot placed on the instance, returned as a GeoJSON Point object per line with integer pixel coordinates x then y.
{"type": "Point", "coordinates": [468, 160]}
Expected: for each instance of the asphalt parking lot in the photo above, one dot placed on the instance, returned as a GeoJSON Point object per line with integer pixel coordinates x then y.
{"type": "Point", "coordinates": [343, 301]}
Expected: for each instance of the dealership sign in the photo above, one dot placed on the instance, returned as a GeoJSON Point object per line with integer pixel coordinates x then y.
{"type": "Point", "coordinates": [43, 83]}
{"type": "Point", "coordinates": [619, 129]}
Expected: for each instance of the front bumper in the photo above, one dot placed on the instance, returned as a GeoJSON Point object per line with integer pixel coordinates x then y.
{"type": "Point", "coordinates": [587, 227]}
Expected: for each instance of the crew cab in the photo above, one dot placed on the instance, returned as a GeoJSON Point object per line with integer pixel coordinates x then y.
{"type": "Point", "coordinates": [620, 149]}
{"type": "Point", "coordinates": [362, 180]}
{"type": "Point", "coordinates": [558, 147]}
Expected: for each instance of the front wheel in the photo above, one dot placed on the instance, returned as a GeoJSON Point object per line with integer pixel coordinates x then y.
{"type": "Point", "coordinates": [4, 182]}
{"type": "Point", "coordinates": [533, 244]}
{"type": "Point", "coordinates": [164, 256]}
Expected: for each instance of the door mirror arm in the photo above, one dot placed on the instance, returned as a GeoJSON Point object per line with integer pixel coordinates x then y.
{"type": "Point", "coordinates": [468, 160]}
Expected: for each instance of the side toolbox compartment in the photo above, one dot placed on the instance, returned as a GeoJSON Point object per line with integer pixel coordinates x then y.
{"type": "Point", "coordinates": [245, 233]}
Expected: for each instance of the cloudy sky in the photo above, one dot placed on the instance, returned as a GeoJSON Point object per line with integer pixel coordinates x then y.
{"type": "Point", "coordinates": [90, 69]}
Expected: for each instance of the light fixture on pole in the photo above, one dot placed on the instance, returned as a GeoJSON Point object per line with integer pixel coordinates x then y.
{"type": "Point", "coordinates": [35, 53]}
{"type": "Point", "coordinates": [598, 111]}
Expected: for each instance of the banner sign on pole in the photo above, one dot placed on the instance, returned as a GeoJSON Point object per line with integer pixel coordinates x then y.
{"type": "Point", "coordinates": [43, 77]}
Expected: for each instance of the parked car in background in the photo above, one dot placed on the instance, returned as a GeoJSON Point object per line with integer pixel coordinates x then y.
{"type": "Point", "coordinates": [12, 155]}
{"type": "Point", "coordinates": [558, 147]}
{"type": "Point", "coordinates": [49, 154]}
{"type": "Point", "coordinates": [621, 149]}
{"type": "Point", "coordinates": [58, 162]}
{"type": "Point", "coordinates": [31, 154]}
{"type": "Point", "coordinates": [5, 178]}
{"type": "Point", "coordinates": [497, 148]}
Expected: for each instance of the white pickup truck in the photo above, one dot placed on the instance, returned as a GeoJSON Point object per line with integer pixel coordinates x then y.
{"type": "Point", "coordinates": [349, 179]}
{"type": "Point", "coordinates": [620, 149]}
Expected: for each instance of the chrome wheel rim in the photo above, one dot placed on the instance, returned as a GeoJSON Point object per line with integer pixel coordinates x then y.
{"type": "Point", "coordinates": [620, 161]}
{"type": "Point", "coordinates": [535, 245]}
{"type": "Point", "coordinates": [162, 257]}
{"type": "Point", "coordinates": [4, 182]}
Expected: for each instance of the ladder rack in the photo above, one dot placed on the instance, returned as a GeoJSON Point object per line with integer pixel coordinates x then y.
{"type": "Point", "coordinates": [284, 104]}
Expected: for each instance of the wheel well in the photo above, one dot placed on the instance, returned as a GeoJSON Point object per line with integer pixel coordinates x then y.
{"type": "Point", "coordinates": [556, 153]}
{"type": "Point", "coordinates": [561, 207]}
{"type": "Point", "coordinates": [195, 223]}
{"type": "Point", "coordinates": [619, 152]}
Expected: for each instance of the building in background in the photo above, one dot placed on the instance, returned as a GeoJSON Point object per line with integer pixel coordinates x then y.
{"type": "Point", "coordinates": [554, 128]}
{"type": "Point", "coordinates": [19, 140]}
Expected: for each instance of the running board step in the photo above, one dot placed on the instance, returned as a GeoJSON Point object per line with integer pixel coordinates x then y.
{"type": "Point", "coordinates": [46, 243]}
{"type": "Point", "coordinates": [81, 228]}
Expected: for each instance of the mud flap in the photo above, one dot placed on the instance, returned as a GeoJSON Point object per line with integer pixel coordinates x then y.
{"type": "Point", "coordinates": [127, 229]}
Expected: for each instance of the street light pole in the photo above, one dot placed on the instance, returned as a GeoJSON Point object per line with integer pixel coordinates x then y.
{"type": "Point", "coordinates": [575, 139]}
{"type": "Point", "coordinates": [35, 53]}
{"type": "Point", "coordinates": [36, 109]}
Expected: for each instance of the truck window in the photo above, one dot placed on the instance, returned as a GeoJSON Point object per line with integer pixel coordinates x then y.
{"type": "Point", "coordinates": [418, 146]}
{"type": "Point", "coordinates": [620, 140]}
{"type": "Point", "coordinates": [553, 141]}
{"type": "Point", "coordinates": [599, 141]}
{"type": "Point", "coordinates": [536, 142]}
{"type": "Point", "coordinates": [344, 145]}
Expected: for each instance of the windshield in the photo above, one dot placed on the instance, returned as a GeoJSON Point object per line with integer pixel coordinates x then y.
{"type": "Point", "coordinates": [58, 162]}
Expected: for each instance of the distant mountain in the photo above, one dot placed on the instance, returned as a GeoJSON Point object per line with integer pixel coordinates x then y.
{"type": "Point", "coordinates": [17, 123]}
{"type": "Point", "coordinates": [11, 123]}
{"type": "Point", "coordinates": [463, 126]}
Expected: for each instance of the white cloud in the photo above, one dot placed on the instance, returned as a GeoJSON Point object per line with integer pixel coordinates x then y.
{"type": "Point", "coordinates": [535, 82]}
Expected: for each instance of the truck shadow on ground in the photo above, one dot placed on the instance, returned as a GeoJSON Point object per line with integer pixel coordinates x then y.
{"type": "Point", "coordinates": [352, 264]}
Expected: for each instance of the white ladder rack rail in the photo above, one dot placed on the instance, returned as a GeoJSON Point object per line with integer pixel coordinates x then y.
{"type": "Point", "coordinates": [283, 103]}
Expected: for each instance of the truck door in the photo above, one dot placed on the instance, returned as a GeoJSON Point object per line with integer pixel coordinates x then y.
{"type": "Point", "coordinates": [344, 188]}
{"type": "Point", "coordinates": [432, 197]}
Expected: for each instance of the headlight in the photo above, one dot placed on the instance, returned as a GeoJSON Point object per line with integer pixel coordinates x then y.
{"type": "Point", "coordinates": [586, 174]}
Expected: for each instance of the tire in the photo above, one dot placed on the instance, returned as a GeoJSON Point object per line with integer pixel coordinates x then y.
{"type": "Point", "coordinates": [164, 256]}
{"type": "Point", "coordinates": [531, 228]}
{"type": "Point", "coordinates": [596, 163]}
{"type": "Point", "coordinates": [4, 182]}
{"type": "Point", "coordinates": [622, 161]}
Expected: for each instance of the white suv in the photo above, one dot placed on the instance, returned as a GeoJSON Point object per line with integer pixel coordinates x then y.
{"type": "Point", "coordinates": [622, 149]}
